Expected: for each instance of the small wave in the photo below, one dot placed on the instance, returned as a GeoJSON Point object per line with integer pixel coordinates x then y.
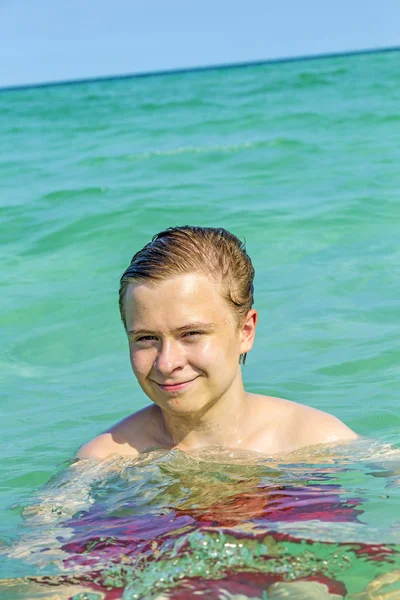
{"type": "Point", "coordinates": [190, 103]}
{"type": "Point", "coordinates": [73, 193]}
{"type": "Point", "coordinates": [362, 449]}
{"type": "Point", "coordinates": [311, 80]}
{"type": "Point", "coordinates": [24, 370]}
{"type": "Point", "coordinates": [280, 142]}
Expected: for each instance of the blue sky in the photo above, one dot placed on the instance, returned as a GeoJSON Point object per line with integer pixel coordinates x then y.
{"type": "Point", "coordinates": [43, 40]}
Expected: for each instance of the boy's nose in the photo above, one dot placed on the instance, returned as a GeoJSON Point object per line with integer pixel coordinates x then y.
{"type": "Point", "coordinates": [169, 358]}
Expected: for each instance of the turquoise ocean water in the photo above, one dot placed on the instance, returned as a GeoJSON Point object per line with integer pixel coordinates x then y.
{"type": "Point", "coordinates": [302, 160]}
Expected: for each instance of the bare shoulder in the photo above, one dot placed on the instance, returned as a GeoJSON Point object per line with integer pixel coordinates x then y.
{"type": "Point", "coordinates": [319, 427]}
{"type": "Point", "coordinates": [299, 425]}
{"type": "Point", "coordinates": [128, 437]}
{"type": "Point", "coordinates": [100, 447]}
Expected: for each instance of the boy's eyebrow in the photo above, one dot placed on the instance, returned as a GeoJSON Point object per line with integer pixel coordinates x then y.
{"type": "Point", "coordinates": [197, 325]}
{"type": "Point", "coordinates": [188, 327]}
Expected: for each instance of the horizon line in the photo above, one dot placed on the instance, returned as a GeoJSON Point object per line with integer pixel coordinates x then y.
{"type": "Point", "coordinates": [182, 70]}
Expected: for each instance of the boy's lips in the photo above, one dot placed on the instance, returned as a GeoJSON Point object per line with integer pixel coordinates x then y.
{"type": "Point", "coordinates": [174, 386]}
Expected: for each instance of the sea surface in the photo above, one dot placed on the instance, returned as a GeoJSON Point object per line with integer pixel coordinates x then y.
{"type": "Point", "coordinates": [302, 159]}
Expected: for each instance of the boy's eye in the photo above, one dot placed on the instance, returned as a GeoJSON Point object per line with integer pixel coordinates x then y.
{"type": "Point", "coordinates": [151, 338]}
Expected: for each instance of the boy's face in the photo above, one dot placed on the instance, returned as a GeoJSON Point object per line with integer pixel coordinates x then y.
{"type": "Point", "coordinates": [184, 341]}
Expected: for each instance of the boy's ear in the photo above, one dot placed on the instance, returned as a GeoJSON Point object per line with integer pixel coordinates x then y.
{"type": "Point", "coordinates": [248, 331]}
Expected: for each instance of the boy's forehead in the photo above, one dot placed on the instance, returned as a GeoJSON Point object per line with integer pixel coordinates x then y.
{"type": "Point", "coordinates": [178, 299]}
{"type": "Point", "coordinates": [191, 286]}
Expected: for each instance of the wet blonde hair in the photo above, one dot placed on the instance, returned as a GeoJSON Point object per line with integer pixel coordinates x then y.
{"type": "Point", "coordinates": [187, 249]}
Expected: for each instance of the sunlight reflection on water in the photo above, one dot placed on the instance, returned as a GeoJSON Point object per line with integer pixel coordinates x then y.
{"type": "Point", "coordinates": [179, 524]}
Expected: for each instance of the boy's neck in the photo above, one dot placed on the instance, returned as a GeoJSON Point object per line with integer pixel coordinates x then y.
{"type": "Point", "coordinates": [222, 424]}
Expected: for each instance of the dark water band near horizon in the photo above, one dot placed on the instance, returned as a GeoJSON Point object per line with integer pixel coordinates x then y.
{"type": "Point", "coordinates": [301, 159]}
